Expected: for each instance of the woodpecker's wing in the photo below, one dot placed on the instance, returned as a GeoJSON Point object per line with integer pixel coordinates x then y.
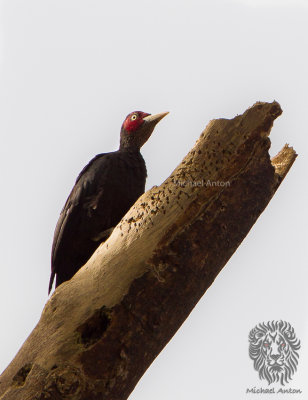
{"type": "Point", "coordinates": [78, 211]}
{"type": "Point", "coordinates": [104, 191]}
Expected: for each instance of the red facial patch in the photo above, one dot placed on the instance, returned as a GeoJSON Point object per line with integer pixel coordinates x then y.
{"type": "Point", "coordinates": [134, 120]}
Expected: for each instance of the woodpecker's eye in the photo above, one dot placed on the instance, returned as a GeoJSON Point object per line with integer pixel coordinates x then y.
{"type": "Point", "coordinates": [133, 117]}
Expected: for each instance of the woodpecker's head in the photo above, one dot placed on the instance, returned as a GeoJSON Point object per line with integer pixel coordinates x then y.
{"type": "Point", "coordinates": [137, 128]}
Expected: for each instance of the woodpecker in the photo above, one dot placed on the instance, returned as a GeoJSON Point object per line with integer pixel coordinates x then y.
{"type": "Point", "coordinates": [104, 191]}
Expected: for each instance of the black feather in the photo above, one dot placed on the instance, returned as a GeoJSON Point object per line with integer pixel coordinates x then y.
{"type": "Point", "coordinates": [104, 191]}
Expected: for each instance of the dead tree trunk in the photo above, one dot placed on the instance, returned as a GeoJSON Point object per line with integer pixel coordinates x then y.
{"type": "Point", "coordinates": [100, 331]}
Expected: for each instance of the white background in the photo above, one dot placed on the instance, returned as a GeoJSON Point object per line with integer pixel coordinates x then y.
{"type": "Point", "coordinates": [70, 71]}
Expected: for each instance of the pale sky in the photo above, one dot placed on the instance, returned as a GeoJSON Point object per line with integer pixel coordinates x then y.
{"type": "Point", "coordinates": [70, 71]}
{"type": "Point", "coordinates": [273, 3]}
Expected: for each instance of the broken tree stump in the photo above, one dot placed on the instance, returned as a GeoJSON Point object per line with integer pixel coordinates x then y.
{"type": "Point", "coordinates": [101, 330]}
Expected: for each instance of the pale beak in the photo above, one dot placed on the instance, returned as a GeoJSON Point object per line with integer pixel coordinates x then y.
{"type": "Point", "coordinates": [155, 118]}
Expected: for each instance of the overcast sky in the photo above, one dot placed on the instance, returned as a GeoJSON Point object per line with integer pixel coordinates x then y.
{"type": "Point", "coordinates": [71, 70]}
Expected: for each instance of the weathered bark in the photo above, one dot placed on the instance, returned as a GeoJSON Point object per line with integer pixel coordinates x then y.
{"type": "Point", "coordinates": [100, 331]}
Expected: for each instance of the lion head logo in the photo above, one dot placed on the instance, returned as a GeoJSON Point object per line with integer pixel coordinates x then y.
{"type": "Point", "coordinates": [273, 348]}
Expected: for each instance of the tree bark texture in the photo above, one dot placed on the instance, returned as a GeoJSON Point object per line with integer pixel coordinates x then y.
{"type": "Point", "coordinates": [100, 331]}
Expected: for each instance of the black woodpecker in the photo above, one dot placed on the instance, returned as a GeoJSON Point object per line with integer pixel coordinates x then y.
{"type": "Point", "coordinates": [104, 191]}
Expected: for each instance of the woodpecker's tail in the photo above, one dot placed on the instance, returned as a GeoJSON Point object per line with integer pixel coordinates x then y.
{"type": "Point", "coordinates": [52, 277]}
